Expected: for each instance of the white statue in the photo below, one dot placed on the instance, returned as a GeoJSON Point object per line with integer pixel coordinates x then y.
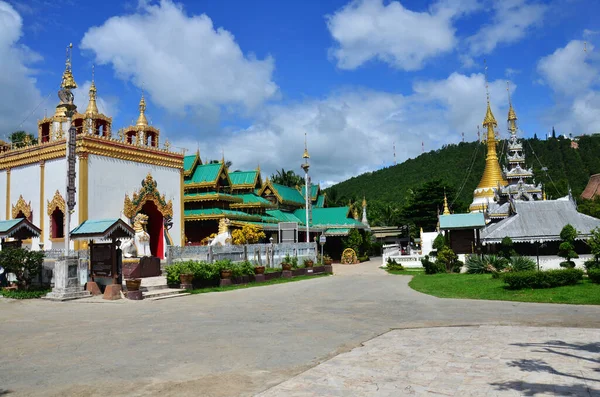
{"type": "Point", "coordinates": [139, 245]}
{"type": "Point", "coordinates": [224, 236]}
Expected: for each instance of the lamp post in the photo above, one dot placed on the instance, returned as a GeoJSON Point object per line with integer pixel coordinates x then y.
{"type": "Point", "coordinates": [305, 166]}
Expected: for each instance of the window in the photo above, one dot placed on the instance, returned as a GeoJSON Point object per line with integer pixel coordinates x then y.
{"type": "Point", "coordinates": [57, 224]}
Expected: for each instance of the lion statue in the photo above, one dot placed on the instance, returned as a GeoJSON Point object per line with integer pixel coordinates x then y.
{"type": "Point", "coordinates": [139, 245]}
{"type": "Point", "coordinates": [224, 236]}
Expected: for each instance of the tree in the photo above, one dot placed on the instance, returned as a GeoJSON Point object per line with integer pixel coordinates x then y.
{"type": "Point", "coordinates": [447, 259]}
{"type": "Point", "coordinates": [248, 234]}
{"type": "Point", "coordinates": [423, 205]}
{"type": "Point", "coordinates": [20, 138]}
{"type": "Point", "coordinates": [594, 243]}
{"type": "Point", "coordinates": [228, 163]}
{"type": "Point", "coordinates": [287, 178]}
{"type": "Point", "coordinates": [553, 133]}
{"type": "Point", "coordinates": [23, 263]}
{"type": "Point", "coordinates": [566, 249]}
{"type": "Point", "coordinates": [506, 248]}
{"type": "Point", "coordinates": [535, 138]}
{"type": "Point", "coordinates": [354, 241]}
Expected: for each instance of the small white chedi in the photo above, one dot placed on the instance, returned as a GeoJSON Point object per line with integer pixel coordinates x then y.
{"type": "Point", "coordinates": [139, 246]}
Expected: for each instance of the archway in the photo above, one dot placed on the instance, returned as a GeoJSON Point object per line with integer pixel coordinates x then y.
{"type": "Point", "coordinates": [57, 226]}
{"type": "Point", "coordinates": [155, 229]}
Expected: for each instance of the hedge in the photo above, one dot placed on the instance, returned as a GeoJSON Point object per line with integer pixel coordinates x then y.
{"type": "Point", "coordinates": [545, 279]}
{"type": "Point", "coordinates": [594, 275]}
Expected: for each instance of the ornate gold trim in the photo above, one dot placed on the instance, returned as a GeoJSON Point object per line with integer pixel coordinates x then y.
{"type": "Point", "coordinates": [212, 197]}
{"type": "Point", "coordinates": [42, 181]}
{"type": "Point", "coordinates": [57, 240]}
{"type": "Point", "coordinates": [83, 195]}
{"type": "Point", "coordinates": [148, 192]}
{"type": "Point", "coordinates": [57, 202]}
{"type": "Point", "coordinates": [21, 206]}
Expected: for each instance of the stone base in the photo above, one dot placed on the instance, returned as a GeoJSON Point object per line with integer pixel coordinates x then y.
{"type": "Point", "coordinates": [286, 274]}
{"type": "Point", "coordinates": [328, 269]}
{"type": "Point", "coordinates": [186, 286]}
{"type": "Point", "coordinates": [112, 292]}
{"type": "Point", "coordinates": [135, 295]}
{"type": "Point", "coordinates": [224, 282]}
{"type": "Point", "coordinates": [259, 278]}
{"type": "Point", "coordinates": [93, 288]}
{"type": "Point", "coordinates": [67, 294]}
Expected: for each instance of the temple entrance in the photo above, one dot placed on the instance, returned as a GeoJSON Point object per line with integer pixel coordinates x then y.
{"type": "Point", "coordinates": [155, 229]}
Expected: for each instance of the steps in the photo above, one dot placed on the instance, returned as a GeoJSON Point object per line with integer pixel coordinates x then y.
{"type": "Point", "coordinates": [155, 288]}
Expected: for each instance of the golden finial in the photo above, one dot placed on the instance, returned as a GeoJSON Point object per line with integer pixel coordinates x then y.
{"type": "Point", "coordinates": [222, 156]}
{"type": "Point", "coordinates": [142, 121]}
{"type": "Point", "coordinates": [167, 144]}
{"type": "Point", "coordinates": [446, 209]}
{"type": "Point", "coordinates": [489, 119]}
{"type": "Point", "coordinates": [544, 194]}
{"type": "Point", "coordinates": [305, 156]}
{"type": "Point", "coordinates": [68, 82]}
{"type": "Point", "coordinates": [92, 108]}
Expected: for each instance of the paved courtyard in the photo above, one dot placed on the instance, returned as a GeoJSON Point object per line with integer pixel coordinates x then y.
{"type": "Point", "coordinates": [333, 335]}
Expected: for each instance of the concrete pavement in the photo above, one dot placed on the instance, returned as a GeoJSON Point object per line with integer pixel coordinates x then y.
{"type": "Point", "coordinates": [231, 343]}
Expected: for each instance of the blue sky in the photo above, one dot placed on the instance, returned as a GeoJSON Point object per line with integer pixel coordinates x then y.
{"type": "Point", "coordinates": [251, 77]}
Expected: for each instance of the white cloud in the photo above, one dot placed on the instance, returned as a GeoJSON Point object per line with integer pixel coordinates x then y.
{"type": "Point", "coordinates": [17, 82]}
{"type": "Point", "coordinates": [182, 61]}
{"type": "Point", "coordinates": [574, 76]}
{"type": "Point", "coordinates": [511, 21]}
{"type": "Point", "coordinates": [352, 131]}
{"type": "Point", "coordinates": [369, 29]}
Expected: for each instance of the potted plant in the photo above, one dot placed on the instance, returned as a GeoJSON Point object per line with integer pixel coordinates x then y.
{"type": "Point", "coordinates": [225, 273]}
{"type": "Point", "coordinates": [133, 284]}
{"type": "Point", "coordinates": [286, 264]}
{"type": "Point", "coordinates": [259, 269]}
{"type": "Point", "coordinates": [308, 262]}
{"type": "Point", "coordinates": [186, 278]}
{"type": "Point", "coordinates": [327, 260]}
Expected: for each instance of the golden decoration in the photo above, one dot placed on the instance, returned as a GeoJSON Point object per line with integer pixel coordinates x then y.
{"type": "Point", "coordinates": [349, 257]}
{"type": "Point", "coordinates": [147, 193]}
{"type": "Point", "coordinates": [446, 209]}
{"type": "Point", "coordinates": [21, 206]}
{"type": "Point", "coordinates": [57, 202]}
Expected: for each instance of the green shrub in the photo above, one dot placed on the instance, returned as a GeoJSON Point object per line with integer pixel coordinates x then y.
{"type": "Point", "coordinates": [432, 267]}
{"type": "Point", "coordinates": [591, 264]}
{"type": "Point", "coordinates": [487, 264]}
{"type": "Point", "coordinates": [364, 258]}
{"type": "Point", "coordinates": [506, 248]}
{"type": "Point", "coordinates": [447, 259]}
{"type": "Point", "coordinates": [294, 262]}
{"type": "Point", "coordinates": [32, 293]}
{"type": "Point", "coordinates": [522, 264]}
{"type": "Point", "coordinates": [545, 279]}
{"type": "Point", "coordinates": [594, 275]}
{"type": "Point", "coordinates": [566, 249]}
{"type": "Point", "coordinates": [393, 265]}
{"type": "Point", "coordinates": [23, 263]}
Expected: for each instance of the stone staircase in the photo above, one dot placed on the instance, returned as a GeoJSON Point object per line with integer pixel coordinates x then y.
{"type": "Point", "coordinates": [155, 288]}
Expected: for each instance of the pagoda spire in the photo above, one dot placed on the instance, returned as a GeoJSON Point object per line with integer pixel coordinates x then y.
{"type": "Point", "coordinates": [92, 108]}
{"type": "Point", "coordinates": [512, 116]}
{"type": "Point", "coordinates": [446, 209]}
{"type": "Point", "coordinates": [364, 219]}
{"type": "Point", "coordinates": [142, 120]}
{"type": "Point", "coordinates": [492, 175]}
{"type": "Point", "coordinates": [68, 82]}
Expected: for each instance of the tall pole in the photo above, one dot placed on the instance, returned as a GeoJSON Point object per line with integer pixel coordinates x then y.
{"type": "Point", "coordinates": [305, 166]}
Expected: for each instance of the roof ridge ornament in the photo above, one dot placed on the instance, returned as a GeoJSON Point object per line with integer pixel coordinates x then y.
{"type": "Point", "coordinates": [92, 108]}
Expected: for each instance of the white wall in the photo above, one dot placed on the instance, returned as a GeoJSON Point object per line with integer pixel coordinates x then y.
{"type": "Point", "coordinates": [54, 179]}
{"type": "Point", "coordinates": [110, 179]}
{"type": "Point", "coordinates": [3, 195]}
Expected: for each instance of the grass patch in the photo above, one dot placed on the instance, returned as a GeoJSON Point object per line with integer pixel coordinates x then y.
{"type": "Point", "coordinates": [251, 285]}
{"type": "Point", "coordinates": [33, 293]}
{"type": "Point", "coordinates": [483, 286]}
{"type": "Point", "coordinates": [409, 272]}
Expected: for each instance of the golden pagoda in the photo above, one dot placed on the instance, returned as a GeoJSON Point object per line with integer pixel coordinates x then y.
{"type": "Point", "coordinates": [492, 175]}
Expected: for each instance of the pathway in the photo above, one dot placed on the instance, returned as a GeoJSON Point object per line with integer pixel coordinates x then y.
{"type": "Point", "coordinates": [231, 343]}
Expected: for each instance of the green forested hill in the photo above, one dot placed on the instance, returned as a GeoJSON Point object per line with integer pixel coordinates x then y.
{"type": "Point", "coordinates": [449, 166]}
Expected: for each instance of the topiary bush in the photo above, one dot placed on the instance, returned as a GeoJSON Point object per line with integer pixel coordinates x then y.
{"type": "Point", "coordinates": [591, 264]}
{"type": "Point", "coordinates": [594, 275]}
{"type": "Point", "coordinates": [522, 264]}
{"type": "Point", "coordinates": [545, 279]}
{"type": "Point", "coordinates": [393, 265]}
{"type": "Point", "coordinates": [432, 267]}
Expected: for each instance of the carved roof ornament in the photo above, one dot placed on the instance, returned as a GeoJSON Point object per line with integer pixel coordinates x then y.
{"type": "Point", "coordinates": [148, 192]}
{"type": "Point", "coordinates": [21, 206]}
{"type": "Point", "coordinates": [92, 108]}
{"type": "Point", "coordinates": [57, 202]}
{"type": "Point", "coordinates": [142, 121]}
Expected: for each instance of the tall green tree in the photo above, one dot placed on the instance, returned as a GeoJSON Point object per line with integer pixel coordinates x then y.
{"type": "Point", "coordinates": [423, 205]}
{"type": "Point", "coordinates": [287, 178]}
{"type": "Point", "coordinates": [19, 138]}
{"type": "Point", "coordinates": [566, 249]}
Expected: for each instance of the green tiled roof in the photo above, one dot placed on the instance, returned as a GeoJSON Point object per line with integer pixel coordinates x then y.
{"type": "Point", "coordinates": [335, 216]}
{"type": "Point", "coordinates": [242, 177]}
{"type": "Point", "coordinates": [250, 198]}
{"type": "Point", "coordinates": [19, 228]}
{"type": "Point", "coordinates": [314, 190]}
{"type": "Point", "coordinates": [220, 196]}
{"type": "Point", "coordinates": [320, 201]}
{"type": "Point", "coordinates": [462, 221]}
{"type": "Point", "coordinates": [103, 228]}
{"type": "Point", "coordinates": [337, 232]}
{"type": "Point", "coordinates": [216, 212]}
{"type": "Point", "coordinates": [282, 216]}
{"type": "Point", "coordinates": [7, 225]}
{"type": "Point", "coordinates": [205, 173]}
{"type": "Point", "coordinates": [289, 194]}
{"type": "Point", "coordinates": [188, 162]}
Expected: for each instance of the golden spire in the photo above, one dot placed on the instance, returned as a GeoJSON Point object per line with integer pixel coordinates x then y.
{"type": "Point", "coordinates": [544, 194]}
{"type": "Point", "coordinates": [364, 202]}
{"type": "Point", "coordinates": [92, 108]}
{"type": "Point", "coordinates": [305, 156]}
{"type": "Point", "coordinates": [512, 116]}
{"type": "Point", "coordinates": [68, 82]}
{"type": "Point", "coordinates": [142, 121]}
{"type": "Point", "coordinates": [446, 209]}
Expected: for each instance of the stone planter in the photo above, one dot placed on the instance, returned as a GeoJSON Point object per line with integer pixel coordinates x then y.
{"type": "Point", "coordinates": [259, 269]}
{"type": "Point", "coordinates": [309, 264]}
{"type": "Point", "coordinates": [226, 274]}
{"type": "Point", "coordinates": [328, 262]}
{"type": "Point", "coordinates": [186, 280]}
{"type": "Point", "coordinates": [286, 266]}
{"type": "Point", "coordinates": [133, 284]}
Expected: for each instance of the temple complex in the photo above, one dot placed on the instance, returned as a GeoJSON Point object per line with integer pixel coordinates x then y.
{"type": "Point", "coordinates": [115, 176]}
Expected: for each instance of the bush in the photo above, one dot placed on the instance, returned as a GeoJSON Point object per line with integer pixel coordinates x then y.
{"type": "Point", "coordinates": [566, 249]}
{"type": "Point", "coordinates": [432, 267]}
{"type": "Point", "coordinates": [447, 259]}
{"type": "Point", "coordinates": [363, 258]}
{"type": "Point", "coordinates": [545, 279]}
{"type": "Point", "coordinates": [522, 264]}
{"type": "Point", "coordinates": [23, 263]}
{"type": "Point", "coordinates": [32, 293]}
{"type": "Point", "coordinates": [506, 248]}
{"type": "Point", "coordinates": [591, 264]}
{"type": "Point", "coordinates": [393, 265]}
{"type": "Point", "coordinates": [594, 275]}
{"type": "Point", "coordinates": [487, 264]}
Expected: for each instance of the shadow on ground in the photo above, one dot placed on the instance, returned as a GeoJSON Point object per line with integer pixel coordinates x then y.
{"type": "Point", "coordinates": [4, 392]}
{"type": "Point", "coordinates": [580, 387]}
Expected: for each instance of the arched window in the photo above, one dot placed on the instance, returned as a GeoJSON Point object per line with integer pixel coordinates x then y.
{"type": "Point", "coordinates": [57, 226]}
